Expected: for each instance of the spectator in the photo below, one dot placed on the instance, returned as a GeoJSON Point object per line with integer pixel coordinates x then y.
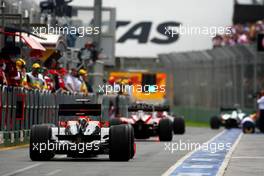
{"type": "Point", "coordinates": [89, 52]}
{"type": "Point", "coordinates": [62, 72]}
{"type": "Point", "coordinates": [84, 77]}
{"type": "Point", "coordinates": [34, 78]}
{"type": "Point", "coordinates": [3, 79]}
{"type": "Point", "coordinates": [72, 81]}
{"type": "Point", "coordinates": [217, 41]}
{"type": "Point", "coordinates": [10, 72]}
{"type": "Point", "coordinates": [58, 78]}
{"type": "Point", "coordinates": [260, 102]}
{"type": "Point", "coordinates": [240, 34]}
{"type": "Point", "coordinates": [21, 78]}
{"type": "Point", "coordinates": [49, 82]}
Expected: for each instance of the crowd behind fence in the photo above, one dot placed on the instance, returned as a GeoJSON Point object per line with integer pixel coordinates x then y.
{"type": "Point", "coordinates": [21, 108]}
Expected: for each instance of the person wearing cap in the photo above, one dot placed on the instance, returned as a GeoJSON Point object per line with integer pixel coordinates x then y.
{"type": "Point", "coordinates": [62, 72]}
{"type": "Point", "coordinates": [34, 77]}
{"type": "Point", "coordinates": [49, 82]}
{"type": "Point", "coordinates": [83, 78]}
{"type": "Point", "coordinates": [21, 78]}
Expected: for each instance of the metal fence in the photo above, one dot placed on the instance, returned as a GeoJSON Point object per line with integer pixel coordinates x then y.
{"type": "Point", "coordinates": [203, 81]}
{"type": "Point", "coordinates": [21, 108]}
{"type": "Point", "coordinates": [200, 82]}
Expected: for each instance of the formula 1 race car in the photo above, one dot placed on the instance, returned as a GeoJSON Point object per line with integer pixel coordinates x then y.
{"type": "Point", "coordinates": [149, 120]}
{"type": "Point", "coordinates": [80, 134]}
{"type": "Point", "coordinates": [229, 118]}
{"type": "Point", "coordinates": [249, 123]}
{"type": "Point", "coordinates": [178, 123]}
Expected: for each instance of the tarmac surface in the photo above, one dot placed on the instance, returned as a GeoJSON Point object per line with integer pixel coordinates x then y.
{"type": "Point", "coordinates": [152, 158]}
{"type": "Point", "coordinates": [248, 158]}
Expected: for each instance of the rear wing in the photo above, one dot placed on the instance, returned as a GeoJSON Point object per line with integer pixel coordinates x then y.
{"type": "Point", "coordinates": [162, 108]}
{"type": "Point", "coordinates": [142, 107]}
{"type": "Point", "coordinates": [223, 109]}
{"type": "Point", "coordinates": [79, 109]}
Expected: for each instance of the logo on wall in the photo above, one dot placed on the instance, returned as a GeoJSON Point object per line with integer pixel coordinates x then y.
{"type": "Point", "coordinates": [141, 32]}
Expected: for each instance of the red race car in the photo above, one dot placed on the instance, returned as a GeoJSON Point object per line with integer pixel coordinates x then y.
{"type": "Point", "coordinates": [149, 120]}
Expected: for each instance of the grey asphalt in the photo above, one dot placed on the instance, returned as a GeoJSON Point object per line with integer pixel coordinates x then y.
{"type": "Point", "coordinates": [248, 158]}
{"type": "Point", "coordinates": [151, 159]}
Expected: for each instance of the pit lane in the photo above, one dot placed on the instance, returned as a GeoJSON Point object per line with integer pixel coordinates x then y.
{"type": "Point", "coordinates": [151, 159]}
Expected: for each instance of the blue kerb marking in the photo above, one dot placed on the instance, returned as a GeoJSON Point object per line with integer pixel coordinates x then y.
{"type": "Point", "coordinates": [206, 163]}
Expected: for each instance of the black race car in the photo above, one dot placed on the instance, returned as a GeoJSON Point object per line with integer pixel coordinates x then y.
{"type": "Point", "coordinates": [81, 133]}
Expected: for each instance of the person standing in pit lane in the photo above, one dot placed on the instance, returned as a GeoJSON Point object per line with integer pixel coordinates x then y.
{"type": "Point", "coordinates": [260, 102]}
{"type": "Point", "coordinates": [3, 79]}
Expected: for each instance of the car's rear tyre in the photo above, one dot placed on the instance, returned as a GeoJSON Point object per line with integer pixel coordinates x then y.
{"type": "Point", "coordinates": [120, 142]}
{"type": "Point", "coordinates": [248, 127]}
{"type": "Point", "coordinates": [215, 122]}
{"type": "Point", "coordinates": [40, 135]}
{"type": "Point", "coordinates": [113, 122]}
{"type": "Point", "coordinates": [178, 125]}
{"type": "Point", "coordinates": [132, 146]}
{"type": "Point", "coordinates": [165, 130]}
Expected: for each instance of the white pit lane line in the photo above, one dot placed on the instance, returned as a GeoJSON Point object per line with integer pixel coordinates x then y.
{"type": "Point", "coordinates": [221, 168]}
{"type": "Point", "coordinates": [22, 169]}
{"type": "Point", "coordinates": [248, 157]}
{"type": "Point", "coordinates": [53, 172]}
{"type": "Point", "coordinates": [177, 164]}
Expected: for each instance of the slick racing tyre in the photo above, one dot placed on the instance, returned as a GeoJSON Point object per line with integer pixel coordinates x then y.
{"type": "Point", "coordinates": [215, 122]}
{"type": "Point", "coordinates": [133, 145]}
{"type": "Point", "coordinates": [178, 125]}
{"type": "Point", "coordinates": [40, 135]}
{"type": "Point", "coordinates": [120, 142]}
{"type": "Point", "coordinates": [248, 127]}
{"type": "Point", "coordinates": [165, 130]}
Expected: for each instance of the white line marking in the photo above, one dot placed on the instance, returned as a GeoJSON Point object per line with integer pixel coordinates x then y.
{"type": "Point", "coordinates": [192, 174]}
{"type": "Point", "coordinates": [53, 172]}
{"type": "Point", "coordinates": [61, 156]}
{"type": "Point", "coordinates": [248, 157]}
{"type": "Point", "coordinates": [196, 166]}
{"type": "Point", "coordinates": [201, 159]}
{"type": "Point", "coordinates": [22, 170]}
{"type": "Point", "coordinates": [223, 167]}
{"type": "Point", "coordinates": [213, 154]}
{"type": "Point", "coordinates": [179, 162]}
